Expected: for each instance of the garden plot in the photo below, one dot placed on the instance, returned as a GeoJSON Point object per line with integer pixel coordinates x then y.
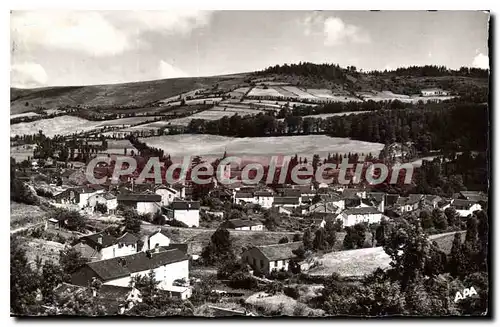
{"type": "Point", "coordinates": [298, 92]}
{"type": "Point", "coordinates": [262, 92]}
{"type": "Point", "coordinates": [22, 152]}
{"type": "Point", "coordinates": [26, 114]}
{"type": "Point", "coordinates": [325, 116]}
{"type": "Point", "coordinates": [284, 92]}
{"type": "Point", "coordinates": [62, 125]}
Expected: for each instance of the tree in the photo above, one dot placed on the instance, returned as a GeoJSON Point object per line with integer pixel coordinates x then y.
{"type": "Point", "coordinates": [320, 243]}
{"type": "Point", "coordinates": [70, 261]}
{"type": "Point", "coordinates": [426, 220]}
{"type": "Point", "coordinates": [452, 216]}
{"type": "Point", "coordinates": [348, 241]}
{"type": "Point", "coordinates": [307, 239]}
{"type": "Point", "coordinates": [439, 220]}
{"type": "Point", "coordinates": [101, 207]}
{"type": "Point", "coordinates": [297, 237]}
{"type": "Point", "coordinates": [219, 249]}
{"type": "Point", "coordinates": [131, 222]}
{"type": "Point", "coordinates": [271, 220]}
{"type": "Point", "coordinates": [331, 233]}
{"type": "Point", "coordinates": [24, 282]}
{"type": "Point", "coordinates": [52, 276]}
{"type": "Point", "coordinates": [73, 220]}
{"type": "Point", "coordinates": [455, 258]}
{"type": "Point", "coordinates": [283, 240]}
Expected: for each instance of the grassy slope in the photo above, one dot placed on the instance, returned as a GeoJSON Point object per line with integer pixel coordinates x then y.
{"type": "Point", "coordinates": [363, 261]}
{"type": "Point", "coordinates": [140, 93]}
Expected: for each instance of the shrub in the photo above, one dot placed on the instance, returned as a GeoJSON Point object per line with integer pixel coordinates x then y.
{"type": "Point", "coordinates": [176, 223]}
{"type": "Point", "coordinates": [291, 291]}
{"type": "Point", "coordinates": [243, 280]}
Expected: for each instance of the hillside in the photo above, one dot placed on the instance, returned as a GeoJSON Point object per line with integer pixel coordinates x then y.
{"type": "Point", "coordinates": [328, 82]}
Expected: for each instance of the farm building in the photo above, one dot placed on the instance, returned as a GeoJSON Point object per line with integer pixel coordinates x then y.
{"type": "Point", "coordinates": [168, 266]}
{"type": "Point", "coordinates": [267, 258]}
{"type": "Point", "coordinates": [143, 203]}
{"type": "Point", "coordinates": [155, 239]}
{"type": "Point", "coordinates": [241, 224]}
{"type": "Point", "coordinates": [323, 209]}
{"type": "Point", "coordinates": [355, 216]}
{"type": "Point", "coordinates": [101, 246]}
{"type": "Point", "coordinates": [287, 201]}
{"type": "Point", "coordinates": [264, 198]}
{"type": "Point", "coordinates": [465, 208]}
{"type": "Point", "coordinates": [433, 92]}
{"type": "Point", "coordinates": [187, 212]}
{"type": "Point", "coordinates": [167, 194]}
{"type": "Point", "coordinates": [107, 199]}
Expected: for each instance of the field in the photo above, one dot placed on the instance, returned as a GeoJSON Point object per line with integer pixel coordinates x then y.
{"type": "Point", "coordinates": [324, 116]}
{"type": "Point", "coordinates": [26, 114]}
{"type": "Point", "coordinates": [198, 238]}
{"type": "Point", "coordinates": [46, 250]}
{"type": "Point", "coordinates": [117, 146]}
{"type": "Point", "coordinates": [388, 95]}
{"type": "Point", "coordinates": [216, 113]}
{"type": "Point", "coordinates": [22, 215]}
{"type": "Point", "coordinates": [22, 152]}
{"type": "Point", "coordinates": [129, 121]}
{"type": "Point", "coordinates": [364, 261]}
{"type": "Point", "coordinates": [306, 145]}
{"type": "Point", "coordinates": [62, 125]}
{"type": "Point", "coordinates": [298, 92]}
{"type": "Point", "coordinates": [261, 92]}
{"type": "Point", "coordinates": [272, 303]}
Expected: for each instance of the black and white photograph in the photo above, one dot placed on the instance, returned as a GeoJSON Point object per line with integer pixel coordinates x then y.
{"type": "Point", "coordinates": [250, 163]}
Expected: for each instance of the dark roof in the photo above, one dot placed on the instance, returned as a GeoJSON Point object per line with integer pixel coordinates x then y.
{"type": "Point", "coordinates": [323, 207]}
{"type": "Point", "coordinates": [93, 240]}
{"type": "Point", "coordinates": [279, 251]}
{"type": "Point", "coordinates": [286, 200]}
{"type": "Point", "coordinates": [236, 223]}
{"type": "Point", "coordinates": [379, 196]}
{"type": "Point", "coordinates": [263, 193]}
{"type": "Point", "coordinates": [462, 203]}
{"type": "Point", "coordinates": [109, 196]}
{"type": "Point", "coordinates": [361, 211]}
{"type": "Point", "coordinates": [351, 193]}
{"type": "Point", "coordinates": [244, 195]}
{"type": "Point", "coordinates": [68, 172]}
{"type": "Point", "coordinates": [128, 238]}
{"type": "Point", "coordinates": [391, 199]}
{"type": "Point", "coordinates": [473, 195]}
{"type": "Point", "coordinates": [139, 197]}
{"type": "Point", "coordinates": [162, 231]}
{"type": "Point", "coordinates": [185, 205]}
{"type": "Point", "coordinates": [289, 192]}
{"type": "Point", "coordinates": [414, 198]}
{"type": "Point", "coordinates": [176, 246]}
{"type": "Point", "coordinates": [124, 266]}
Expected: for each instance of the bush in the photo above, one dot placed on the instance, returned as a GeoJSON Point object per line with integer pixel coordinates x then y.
{"type": "Point", "coordinates": [292, 291]}
{"type": "Point", "coordinates": [243, 280]}
{"type": "Point", "coordinates": [279, 275]}
{"type": "Point", "coordinates": [176, 223]}
{"type": "Point", "coordinates": [101, 207]}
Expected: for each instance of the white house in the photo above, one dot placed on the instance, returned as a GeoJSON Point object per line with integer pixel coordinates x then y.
{"type": "Point", "coordinates": [264, 198]}
{"type": "Point", "coordinates": [270, 257]}
{"type": "Point", "coordinates": [102, 246]}
{"type": "Point", "coordinates": [244, 197]}
{"type": "Point", "coordinates": [465, 208]}
{"type": "Point", "coordinates": [241, 224]}
{"type": "Point", "coordinates": [168, 266]}
{"type": "Point", "coordinates": [143, 203]}
{"type": "Point", "coordinates": [187, 212]}
{"type": "Point", "coordinates": [287, 201]}
{"type": "Point", "coordinates": [353, 216]}
{"type": "Point", "coordinates": [156, 239]}
{"type": "Point", "coordinates": [433, 92]}
{"type": "Point", "coordinates": [167, 194]}
{"type": "Point", "coordinates": [107, 199]}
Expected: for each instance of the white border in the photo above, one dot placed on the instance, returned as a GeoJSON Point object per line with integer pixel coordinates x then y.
{"type": "Point", "coordinates": [198, 4]}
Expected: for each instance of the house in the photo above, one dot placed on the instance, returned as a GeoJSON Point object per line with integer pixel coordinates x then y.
{"type": "Point", "coordinates": [107, 199]}
{"type": "Point", "coordinates": [241, 224]}
{"type": "Point", "coordinates": [167, 194]}
{"type": "Point", "coordinates": [187, 212]}
{"type": "Point", "coordinates": [155, 239]}
{"type": "Point", "coordinates": [99, 246]}
{"type": "Point", "coordinates": [323, 209]}
{"type": "Point", "coordinates": [353, 216]}
{"type": "Point", "coordinates": [287, 201]}
{"type": "Point", "coordinates": [410, 203]}
{"type": "Point", "coordinates": [168, 266]}
{"type": "Point", "coordinates": [84, 193]}
{"type": "Point", "coordinates": [465, 208]}
{"type": "Point", "coordinates": [264, 198]}
{"type": "Point", "coordinates": [391, 200]}
{"type": "Point", "coordinates": [471, 196]}
{"type": "Point", "coordinates": [378, 198]}
{"type": "Point", "coordinates": [352, 193]}
{"type": "Point", "coordinates": [433, 92]}
{"type": "Point", "coordinates": [143, 203]}
{"type": "Point", "coordinates": [431, 201]}
{"type": "Point", "coordinates": [267, 258]}
{"type": "Point", "coordinates": [241, 197]}
{"type": "Point", "coordinates": [126, 244]}
{"type": "Point", "coordinates": [114, 299]}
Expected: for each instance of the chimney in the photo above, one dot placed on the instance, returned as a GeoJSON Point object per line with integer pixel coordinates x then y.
{"type": "Point", "coordinates": [99, 239]}
{"type": "Point", "coordinates": [183, 192]}
{"type": "Point", "coordinates": [148, 254]}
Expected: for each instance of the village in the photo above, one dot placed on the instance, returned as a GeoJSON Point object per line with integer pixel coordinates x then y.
{"type": "Point", "coordinates": [131, 230]}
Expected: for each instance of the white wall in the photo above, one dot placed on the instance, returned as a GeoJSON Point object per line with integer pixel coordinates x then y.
{"type": "Point", "coordinates": [265, 201]}
{"type": "Point", "coordinates": [257, 227]}
{"type": "Point", "coordinates": [277, 265]}
{"type": "Point", "coordinates": [109, 252]}
{"type": "Point", "coordinates": [159, 239]}
{"type": "Point", "coordinates": [466, 213]}
{"type": "Point", "coordinates": [188, 217]}
{"type": "Point", "coordinates": [351, 220]}
{"type": "Point", "coordinates": [125, 250]}
{"type": "Point", "coordinates": [147, 207]}
{"type": "Point", "coordinates": [112, 204]}
{"type": "Point", "coordinates": [166, 196]}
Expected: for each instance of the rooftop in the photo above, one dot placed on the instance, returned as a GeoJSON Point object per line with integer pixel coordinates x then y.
{"type": "Point", "coordinates": [124, 266]}
{"type": "Point", "coordinates": [139, 197]}
{"type": "Point", "coordinates": [186, 205]}
{"type": "Point", "coordinates": [361, 211]}
{"type": "Point", "coordinates": [279, 251]}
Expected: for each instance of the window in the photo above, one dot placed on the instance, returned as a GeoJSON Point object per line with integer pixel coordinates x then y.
{"type": "Point", "coordinates": [276, 263]}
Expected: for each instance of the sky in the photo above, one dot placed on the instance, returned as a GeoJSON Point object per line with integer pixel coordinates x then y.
{"type": "Point", "coordinates": [59, 48]}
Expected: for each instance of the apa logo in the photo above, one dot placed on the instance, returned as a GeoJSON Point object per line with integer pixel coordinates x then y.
{"type": "Point", "coordinates": [468, 292]}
